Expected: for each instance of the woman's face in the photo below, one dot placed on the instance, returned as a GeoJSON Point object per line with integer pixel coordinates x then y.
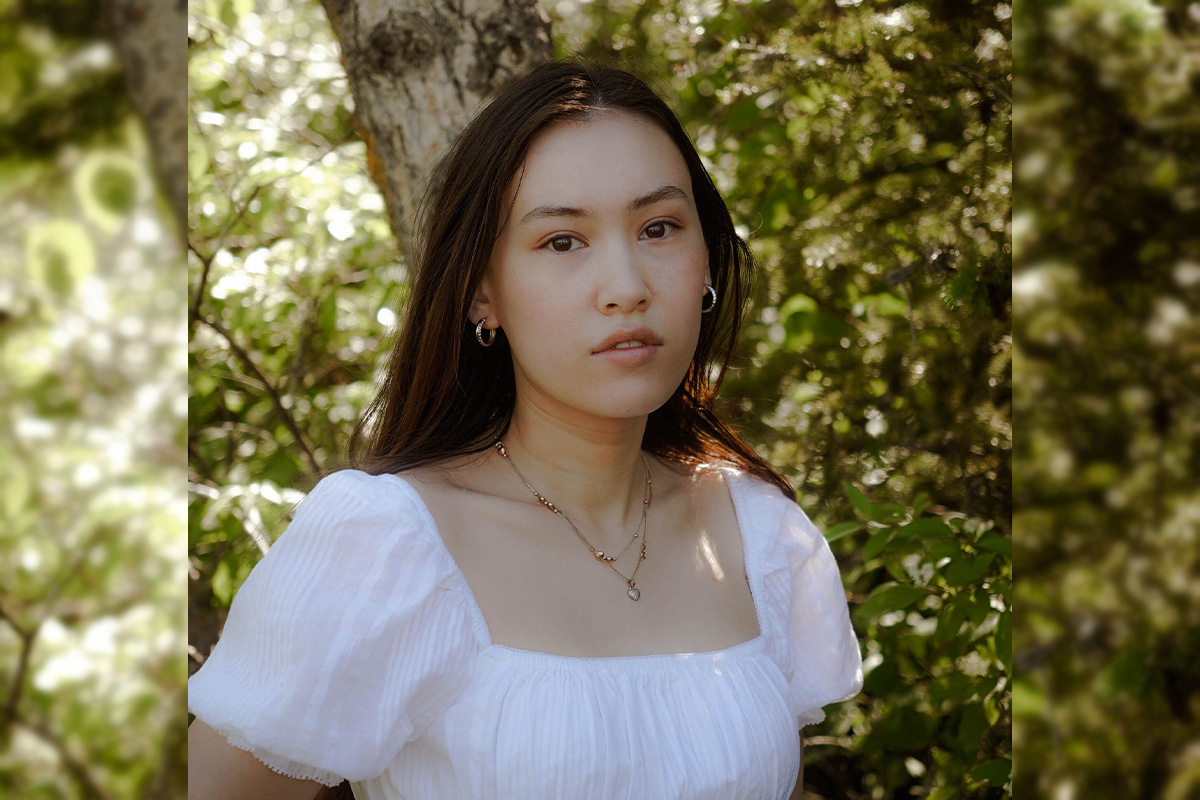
{"type": "Point", "coordinates": [603, 245]}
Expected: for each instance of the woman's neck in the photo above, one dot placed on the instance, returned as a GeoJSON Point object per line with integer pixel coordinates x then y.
{"type": "Point", "coordinates": [592, 472]}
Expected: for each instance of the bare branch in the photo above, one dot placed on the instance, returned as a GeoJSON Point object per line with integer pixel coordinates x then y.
{"type": "Point", "coordinates": [17, 687]}
{"type": "Point", "coordinates": [272, 392]}
{"type": "Point", "coordinates": [88, 787]}
{"type": "Point", "coordinates": [203, 287]}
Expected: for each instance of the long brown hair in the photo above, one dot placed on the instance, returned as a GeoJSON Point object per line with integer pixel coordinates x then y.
{"type": "Point", "coordinates": [444, 396]}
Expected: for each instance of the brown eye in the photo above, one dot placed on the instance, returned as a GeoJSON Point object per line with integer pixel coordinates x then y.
{"type": "Point", "coordinates": [657, 230]}
{"type": "Point", "coordinates": [561, 244]}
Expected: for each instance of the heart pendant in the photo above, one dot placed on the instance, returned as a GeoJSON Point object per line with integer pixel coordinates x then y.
{"type": "Point", "coordinates": [634, 593]}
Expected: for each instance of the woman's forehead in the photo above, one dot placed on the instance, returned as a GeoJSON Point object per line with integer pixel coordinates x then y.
{"type": "Point", "coordinates": [605, 162]}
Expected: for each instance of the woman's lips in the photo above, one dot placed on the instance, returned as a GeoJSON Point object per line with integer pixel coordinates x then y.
{"type": "Point", "coordinates": [629, 356]}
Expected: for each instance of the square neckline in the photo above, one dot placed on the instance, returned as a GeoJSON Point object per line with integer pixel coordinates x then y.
{"type": "Point", "coordinates": [733, 484]}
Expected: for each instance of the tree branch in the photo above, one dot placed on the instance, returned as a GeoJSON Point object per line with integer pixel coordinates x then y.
{"type": "Point", "coordinates": [27, 636]}
{"type": "Point", "coordinates": [272, 392]}
{"type": "Point", "coordinates": [87, 785]}
{"type": "Point", "coordinates": [203, 287]}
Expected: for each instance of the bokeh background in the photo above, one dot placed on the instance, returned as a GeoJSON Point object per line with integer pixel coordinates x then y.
{"type": "Point", "coordinates": [1108, 399]}
{"type": "Point", "coordinates": [865, 151]}
{"type": "Point", "coordinates": [93, 412]}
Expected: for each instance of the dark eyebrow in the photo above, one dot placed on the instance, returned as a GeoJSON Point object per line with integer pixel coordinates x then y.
{"type": "Point", "coordinates": [660, 194]}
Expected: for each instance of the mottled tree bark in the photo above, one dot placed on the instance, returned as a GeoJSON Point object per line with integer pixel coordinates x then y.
{"type": "Point", "coordinates": [418, 70]}
{"type": "Point", "coordinates": [151, 37]}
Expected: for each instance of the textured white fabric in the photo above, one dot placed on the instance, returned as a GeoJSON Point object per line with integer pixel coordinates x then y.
{"type": "Point", "coordinates": [355, 649]}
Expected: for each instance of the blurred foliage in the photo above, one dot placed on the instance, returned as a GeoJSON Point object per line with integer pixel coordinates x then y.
{"type": "Point", "coordinates": [91, 426]}
{"type": "Point", "coordinates": [864, 149]}
{"type": "Point", "coordinates": [1109, 361]}
{"type": "Point", "coordinates": [60, 81]}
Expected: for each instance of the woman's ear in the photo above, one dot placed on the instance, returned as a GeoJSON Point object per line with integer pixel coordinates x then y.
{"type": "Point", "coordinates": [482, 306]}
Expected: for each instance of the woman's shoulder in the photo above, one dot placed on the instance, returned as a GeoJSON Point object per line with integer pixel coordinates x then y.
{"type": "Point", "coordinates": [346, 641]}
{"type": "Point", "coordinates": [748, 491]}
{"type": "Point", "coordinates": [394, 495]}
{"type": "Point", "coordinates": [378, 489]}
{"type": "Point", "coordinates": [349, 515]}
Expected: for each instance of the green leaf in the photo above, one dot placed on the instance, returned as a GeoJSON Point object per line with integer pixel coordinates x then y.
{"type": "Point", "coordinates": [864, 507]}
{"type": "Point", "coordinates": [888, 597]}
{"type": "Point", "coordinates": [967, 571]}
{"type": "Point", "coordinates": [327, 316]}
{"type": "Point", "coordinates": [887, 304]}
{"type": "Point", "coordinates": [842, 529]}
{"type": "Point", "coordinates": [995, 543]}
{"type": "Point", "coordinates": [895, 567]}
{"type": "Point", "coordinates": [978, 606]}
{"type": "Point", "coordinates": [781, 216]}
{"type": "Point", "coordinates": [883, 679]}
{"type": "Point", "coordinates": [925, 526]}
{"type": "Point", "coordinates": [1004, 641]}
{"type": "Point", "coordinates": [950, 620]}
{"type": "Point", "coordinates": [222, 584]}
{"type": "Point", "coordinates": [942, 151]}
{"type": "Point", "coordinates": [942, 548]}
{"type": "Point", "coordinates": [995, 772]}
{"type": "Point", "coordinates": [233, 10]}
{"type": "Point", "coordinates": [830, 327]}
{"type": "Point", "coordinates": [971, 726]}
{"type": "Point", "coordinates": [198, 156]}
{"type": "Point", "coordinates": [906, 728]}
{"type": "Point", "coordinates": [878, 541]}
{"type": "Point", "coordinates": [796, 304]}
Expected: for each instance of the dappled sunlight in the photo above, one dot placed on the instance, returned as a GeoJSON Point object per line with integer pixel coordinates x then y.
{"type": "Point", "coordinates": [706, 557]}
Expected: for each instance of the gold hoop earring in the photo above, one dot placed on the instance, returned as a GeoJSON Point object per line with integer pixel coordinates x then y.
{"type": "Point", "coordinates": [479, 334]}
{"type": "Point", "coordinates": [712, 293]}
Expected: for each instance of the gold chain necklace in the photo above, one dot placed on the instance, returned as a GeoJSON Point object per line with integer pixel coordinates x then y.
{"type": "Point", "coordinates": [634, 592]}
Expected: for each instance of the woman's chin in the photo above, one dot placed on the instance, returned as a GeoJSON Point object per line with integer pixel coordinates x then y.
{"type": "Point", "coordinates": [629, 406]}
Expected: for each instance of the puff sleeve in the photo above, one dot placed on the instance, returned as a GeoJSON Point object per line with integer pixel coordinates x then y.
{"type": "Point", "coordinates": [346, 641]}
{"type": "Point", "coordinates": [815, 642]}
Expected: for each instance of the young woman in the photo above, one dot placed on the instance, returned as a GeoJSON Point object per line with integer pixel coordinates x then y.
{"type": "Point", "coordinates": [556, 573]}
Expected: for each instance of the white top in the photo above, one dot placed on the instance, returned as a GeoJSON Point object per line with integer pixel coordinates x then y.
{"type": "Point", "coordinates": [356, 650]}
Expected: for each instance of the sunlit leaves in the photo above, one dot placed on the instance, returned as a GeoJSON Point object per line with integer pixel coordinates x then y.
{"type": "Point", "coordinates": [938, 629]}
{"type": "Point", "coordinates": [292, 261]}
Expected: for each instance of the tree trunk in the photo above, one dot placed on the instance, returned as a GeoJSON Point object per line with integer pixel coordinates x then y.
{"type": "Point", "coordinates": [150, 36]}
{"type": "Point", "coordinates": [418, 71]}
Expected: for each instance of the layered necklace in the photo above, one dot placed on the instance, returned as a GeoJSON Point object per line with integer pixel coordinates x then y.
{"type": "Point", "coordinates": [642, 532]}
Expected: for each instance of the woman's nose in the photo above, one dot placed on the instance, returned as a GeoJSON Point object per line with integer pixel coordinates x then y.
{"type": "Point", "coordinates": [622, 280]}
